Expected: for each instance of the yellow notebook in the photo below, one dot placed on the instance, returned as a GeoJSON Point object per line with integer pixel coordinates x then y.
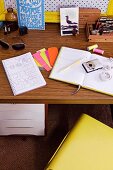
{"type": "Point", "coordinates": [68, 68]}
{"type": "Point", "coordinates": [88, 146]}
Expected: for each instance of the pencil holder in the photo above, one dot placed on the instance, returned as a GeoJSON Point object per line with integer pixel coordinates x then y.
{"type": "Point", "coordinates": [97, 37]}
{"type": "Point", "coordinates": [100, 30]}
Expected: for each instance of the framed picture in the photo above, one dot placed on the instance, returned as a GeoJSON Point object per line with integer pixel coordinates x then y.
{"type": "Point", "coordinates": [69, 21]}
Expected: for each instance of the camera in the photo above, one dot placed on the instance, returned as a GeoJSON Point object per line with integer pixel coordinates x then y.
{"type": "Point", "coordinates": [92, 65]}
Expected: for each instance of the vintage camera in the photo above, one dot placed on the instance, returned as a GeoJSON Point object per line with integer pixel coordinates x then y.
{"type": "Point", "coordinates": [92, 65]}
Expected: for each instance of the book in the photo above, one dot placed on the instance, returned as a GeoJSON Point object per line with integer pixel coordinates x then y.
{"type": "Point", "coordinates": [88, 145]}
{"type": "Point", "coordinates": [31, 14]}
{"type": "Point", "coordinates": [68, 68]}
{"type": "Point", "coordinates": [23, 73]}
{"type": "Point", "coordinates": [69, 21]}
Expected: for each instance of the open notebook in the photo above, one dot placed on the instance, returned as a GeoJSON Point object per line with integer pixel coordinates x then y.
{"type": "Point", "coordinates": [88, 146]}
{"type": "Point", "coordinates": [76, 74]}
{"type": "Point", "coordinates": [23, 73]}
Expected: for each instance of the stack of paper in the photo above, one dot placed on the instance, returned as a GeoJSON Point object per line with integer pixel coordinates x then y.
{"type": "Point", "coordinates": [46, 58]}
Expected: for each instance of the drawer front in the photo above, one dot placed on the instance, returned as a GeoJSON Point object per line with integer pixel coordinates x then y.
{"type": "Point", "coordinates": [22, 119]}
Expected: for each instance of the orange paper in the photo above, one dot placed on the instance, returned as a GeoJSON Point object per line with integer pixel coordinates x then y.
{"type": "Point", "coordinates": [53, 52]}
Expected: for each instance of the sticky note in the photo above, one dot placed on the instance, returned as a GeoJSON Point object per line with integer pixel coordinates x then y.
{"type": "Point", "coordinates": [53, 52]}
{"type": "Point", "coordinates": [46, 55]}
{"type": "Point", "coordinates": [45, 58]}
{"type": "Point", "coordinates": [38, 64]}
{"type": "Point", "coordinates": [41, 61]}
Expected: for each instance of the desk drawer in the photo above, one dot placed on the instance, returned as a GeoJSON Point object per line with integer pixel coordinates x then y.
{"type": "Point", "coordinates": [22, 119]}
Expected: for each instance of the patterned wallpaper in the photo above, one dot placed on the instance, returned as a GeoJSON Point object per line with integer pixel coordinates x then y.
{"type": "Point", "coordinates": [54, 5]}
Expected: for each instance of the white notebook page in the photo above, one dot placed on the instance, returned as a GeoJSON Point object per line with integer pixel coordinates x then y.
{"type": "Point", "coordinates": [92, 80]}
{"type": "Point", "coordinates": [23, 73]}
{"type": "Point", "coordinates": [67, 56]}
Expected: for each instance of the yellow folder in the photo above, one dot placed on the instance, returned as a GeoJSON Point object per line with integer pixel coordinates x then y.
{"type": "Point", "coordinates": [88, 146]}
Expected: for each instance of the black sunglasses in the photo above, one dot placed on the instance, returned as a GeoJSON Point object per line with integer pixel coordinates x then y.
{"type": "Point", "coordinates": [15, 46]}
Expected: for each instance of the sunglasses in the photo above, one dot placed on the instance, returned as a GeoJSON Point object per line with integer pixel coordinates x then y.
{"type": "Point", "coordinates": [15, 46]}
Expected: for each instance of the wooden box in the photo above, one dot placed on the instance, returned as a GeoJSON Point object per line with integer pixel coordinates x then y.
{"type": "Point", "coordinates": [108, 37]}
{"type": "Point", "coordinates": [98, 38]}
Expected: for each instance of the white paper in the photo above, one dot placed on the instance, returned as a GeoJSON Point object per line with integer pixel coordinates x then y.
{"type": "Point", "coordinates": [93, 81]}
{"type": "Point", "coordinates": [23, 73]}
{"type": "Point", "coordinates": [67, 56]}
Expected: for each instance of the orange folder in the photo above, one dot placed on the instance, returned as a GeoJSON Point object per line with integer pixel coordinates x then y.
{"type": "Point", "coordinates": [53, 52]}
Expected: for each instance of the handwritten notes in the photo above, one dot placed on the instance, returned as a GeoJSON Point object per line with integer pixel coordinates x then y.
{"type": "Point", "coordinates": [23, 73]}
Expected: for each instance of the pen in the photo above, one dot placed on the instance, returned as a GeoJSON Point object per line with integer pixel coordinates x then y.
{"type": "Point", "coordinates": [76, 62]}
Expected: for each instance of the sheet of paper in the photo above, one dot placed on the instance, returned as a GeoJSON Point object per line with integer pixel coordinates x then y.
{"type": "Point", "coordinates": [23, 73]}
{"type": "Point", "coordinates": [47, 54]}
{"type": "Point", "coordinates": [44, 56]}
{"type": "Point", "coordinates": [38, 57]}
{"type": "Point", "coordinates": [66, 57]}
{"type": "Point", "coordinates": [38, 64]}
{"type": "Point", "coordinates": [93, 81]}
{"type": "Point", "coordinates": [53, 53]}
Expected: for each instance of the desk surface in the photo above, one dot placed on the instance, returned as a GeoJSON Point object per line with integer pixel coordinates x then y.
{"type": "Point", "coordinates": [54, 92]}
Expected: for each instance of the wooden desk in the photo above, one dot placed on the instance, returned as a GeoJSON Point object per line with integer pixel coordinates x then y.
{"type": "Point", "coordinates": [54, 92]}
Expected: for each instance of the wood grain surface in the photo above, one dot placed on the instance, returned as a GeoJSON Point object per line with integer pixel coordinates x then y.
{"type": "Point", "coordinates": [55, 92]}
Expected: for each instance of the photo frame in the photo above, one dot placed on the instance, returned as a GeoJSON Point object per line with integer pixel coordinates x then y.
{"type": "Point", "coordinates": [69, 21]}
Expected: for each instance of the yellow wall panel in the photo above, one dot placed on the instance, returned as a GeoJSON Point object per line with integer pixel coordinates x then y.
{"type": "Point", "coordinates": [2, 16]}
{"type": "Point", "coordinates": [110, 8]}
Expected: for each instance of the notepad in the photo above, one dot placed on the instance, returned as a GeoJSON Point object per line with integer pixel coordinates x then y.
{"type": "Point", "coordinates": [23, 73]}
{"type": "Point", "coordinates": [37, 56]}
{"type": "Point", "coordinates": [76, 74]}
